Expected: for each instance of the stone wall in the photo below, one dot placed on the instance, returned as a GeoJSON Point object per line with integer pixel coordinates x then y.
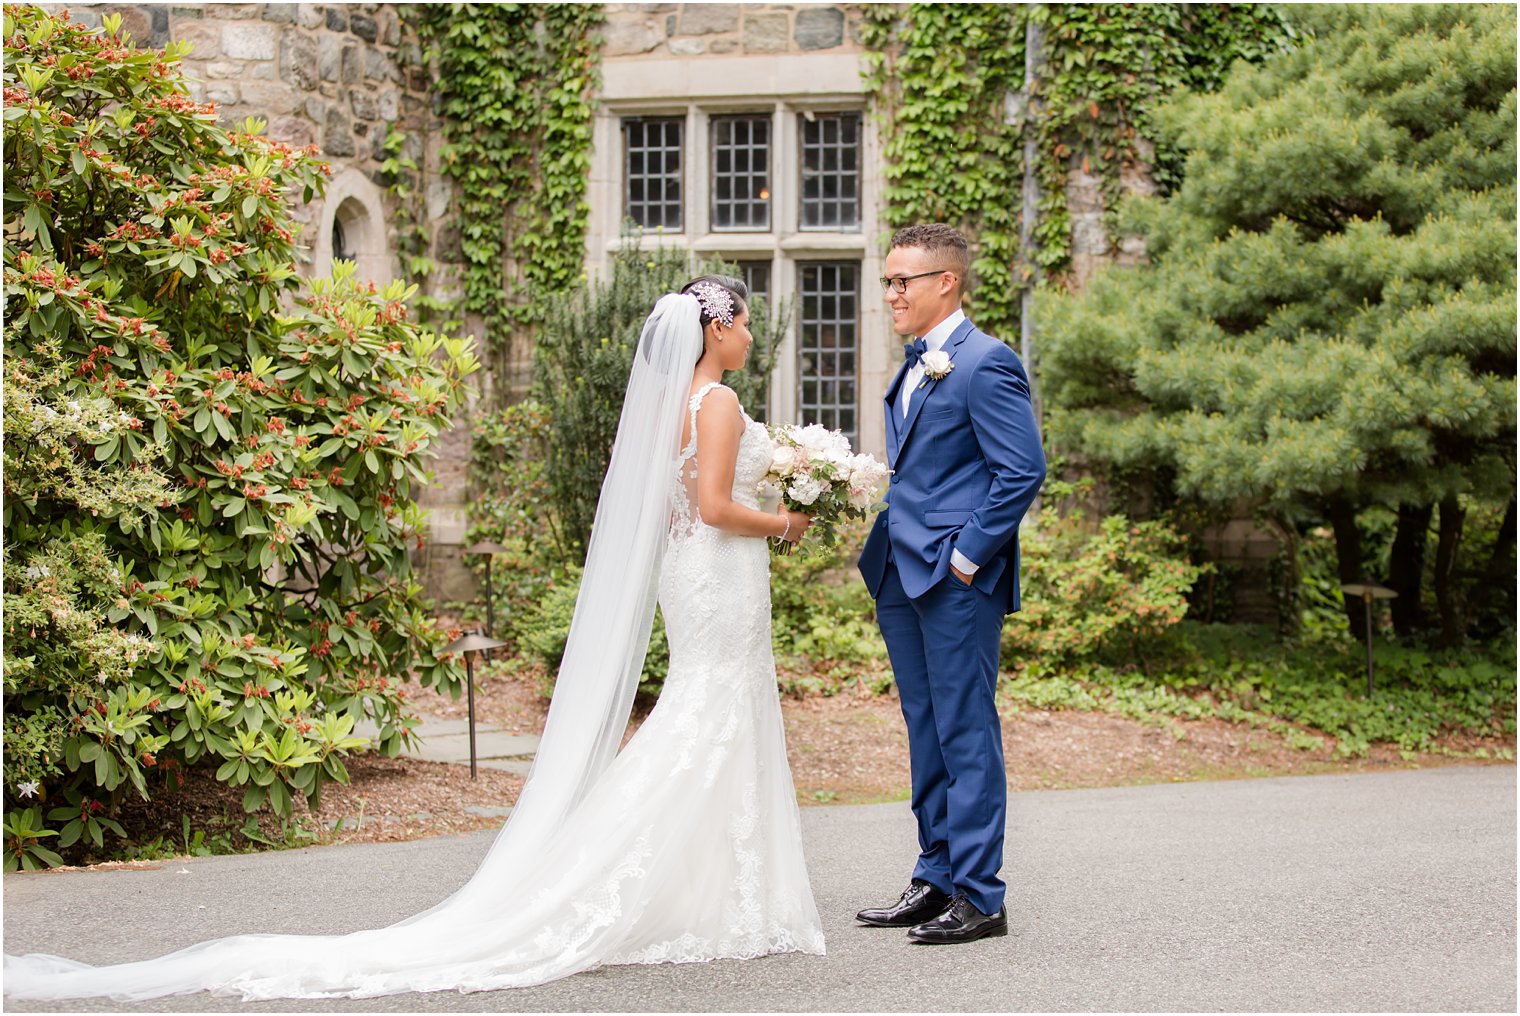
{"type": "Point", "coordinates": [333, 75]}
{"type": "Point", "coordinates": [728, 29]}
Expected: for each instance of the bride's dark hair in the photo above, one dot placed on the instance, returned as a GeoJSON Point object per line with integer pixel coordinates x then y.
{"type": "Point", "coordinates": [728, 282]}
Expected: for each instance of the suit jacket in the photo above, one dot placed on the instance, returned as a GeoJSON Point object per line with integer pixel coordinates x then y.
{"type": "Point", "coordinates": [966, 464]}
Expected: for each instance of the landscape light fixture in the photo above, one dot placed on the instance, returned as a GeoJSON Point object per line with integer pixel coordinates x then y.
{"type": "Point", "coordinates": [1368, 591]}
{"type": "Point", "coordinates": [465, 645]}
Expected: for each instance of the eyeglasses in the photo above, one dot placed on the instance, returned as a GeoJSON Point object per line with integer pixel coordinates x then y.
{"type": "Point", "coordinates": [901, 283]}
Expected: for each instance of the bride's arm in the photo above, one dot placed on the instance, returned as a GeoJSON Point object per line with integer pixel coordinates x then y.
{"type": "Point", "coordinates": [720, 425]}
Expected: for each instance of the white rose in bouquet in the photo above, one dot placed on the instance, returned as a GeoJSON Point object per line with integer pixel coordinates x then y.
{"type": "Point", "coordinates": [866, 471]}
{"type": "Point", "coordinates": [818, 441]}
{"type": "Point", "coordinates": [783, 460]}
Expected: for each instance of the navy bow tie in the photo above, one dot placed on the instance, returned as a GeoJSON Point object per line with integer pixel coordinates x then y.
{"type": "Point", "coordinates": [913, 352]}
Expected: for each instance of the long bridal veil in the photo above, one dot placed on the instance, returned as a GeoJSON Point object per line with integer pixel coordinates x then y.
{"type": "Point", "coordinates": [469, 940]}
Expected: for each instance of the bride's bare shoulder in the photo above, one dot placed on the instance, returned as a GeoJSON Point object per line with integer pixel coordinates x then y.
{"type": "Point", "coordinates": [716, 396]}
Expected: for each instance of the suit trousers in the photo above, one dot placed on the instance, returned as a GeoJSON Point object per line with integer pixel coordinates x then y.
{"type": "Point", "coordinates": [944, 652]}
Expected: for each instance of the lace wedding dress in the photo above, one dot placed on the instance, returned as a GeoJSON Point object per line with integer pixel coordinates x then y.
{"type": "Point", "coordinates": [686, 848]}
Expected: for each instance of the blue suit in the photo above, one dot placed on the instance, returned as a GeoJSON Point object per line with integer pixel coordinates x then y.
{"type": "Point", "coordinates": [967, 463]}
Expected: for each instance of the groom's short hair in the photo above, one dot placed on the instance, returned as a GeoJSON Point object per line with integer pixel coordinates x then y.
{"type": "Point", "coordinates": [939, 239]}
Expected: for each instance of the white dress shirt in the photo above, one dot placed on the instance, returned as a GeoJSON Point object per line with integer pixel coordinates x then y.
{"type": "Point", "coordinates": [935, 339]}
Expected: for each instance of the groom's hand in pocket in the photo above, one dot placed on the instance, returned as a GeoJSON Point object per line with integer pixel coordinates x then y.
{"type": "Point", "coordinates": [960, 576]}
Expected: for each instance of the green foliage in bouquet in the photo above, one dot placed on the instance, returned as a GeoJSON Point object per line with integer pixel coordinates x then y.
{"type": "Point", "coordinates": [210, 466]}
{"type": "Point", "coordinates": [813, 470]}
{"type": "Point", "coordinates": [1328, 323]}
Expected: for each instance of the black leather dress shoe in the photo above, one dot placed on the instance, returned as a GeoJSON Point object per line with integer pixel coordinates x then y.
{"type": "Point", "coordinates": [919, 902]}
{"type": "Point", "coordinates": [961, 922]}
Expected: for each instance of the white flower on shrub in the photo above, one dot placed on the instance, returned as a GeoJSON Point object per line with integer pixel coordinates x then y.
{"type": "Point", "coordinates": [37, 571]}
{"type": "Point", "coordinates": [28, 789]}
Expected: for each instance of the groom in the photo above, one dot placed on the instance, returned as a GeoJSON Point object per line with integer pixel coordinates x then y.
{"type": "Point", "coordinates": [942, 562]}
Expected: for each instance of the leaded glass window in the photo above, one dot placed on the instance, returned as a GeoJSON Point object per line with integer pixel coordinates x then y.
{"type": "Point", "coordinates": [741, 172]}
{"type": "Point", "coordinates": [830, 171]}
{"type": "Point", "coordinates": [652, 171]}
{"type": "Point", "coordinates": [757, 278]}
{"type": "Point", "coordinates": [828, 344]}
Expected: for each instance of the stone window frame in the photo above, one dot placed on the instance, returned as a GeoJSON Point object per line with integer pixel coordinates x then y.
{"type": "Point", "coordinates": [786, 245]}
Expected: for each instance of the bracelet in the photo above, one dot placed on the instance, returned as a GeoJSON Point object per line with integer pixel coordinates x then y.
{"type": "Point", "coordinates": [787, 531]}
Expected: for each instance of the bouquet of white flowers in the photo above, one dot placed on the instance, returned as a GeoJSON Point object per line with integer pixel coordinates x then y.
{"type": "Point", "coordinates": [814, 471]}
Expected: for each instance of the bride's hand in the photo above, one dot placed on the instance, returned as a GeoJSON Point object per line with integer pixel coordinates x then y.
{"type": "Point", "coordinates": [799, 523]}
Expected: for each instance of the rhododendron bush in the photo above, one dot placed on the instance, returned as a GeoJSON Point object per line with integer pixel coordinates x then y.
{"type": "Point", "coordinates": [210, 464]}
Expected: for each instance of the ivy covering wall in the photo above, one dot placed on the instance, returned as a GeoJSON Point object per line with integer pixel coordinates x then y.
{"type": "Point", "coordinates": [948, 81]}
{"type": "Point", "coordinates": [515, 84]}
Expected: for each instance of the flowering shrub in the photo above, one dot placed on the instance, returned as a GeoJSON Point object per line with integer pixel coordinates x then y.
{"type": "Point", "coordinates": [1096, 594]}
{"type": "Point", "coordinates": [210, 465]}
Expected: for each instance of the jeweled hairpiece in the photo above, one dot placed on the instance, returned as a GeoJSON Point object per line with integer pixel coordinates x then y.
{"type": "Point", "coordinates": [717, 302]}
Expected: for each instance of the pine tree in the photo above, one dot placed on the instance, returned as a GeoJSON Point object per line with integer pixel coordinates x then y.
{"type": "Point", "coordinates": [1328, 319]}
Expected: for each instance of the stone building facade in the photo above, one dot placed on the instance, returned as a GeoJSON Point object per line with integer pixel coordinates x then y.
{"type": "Point", "coordinates": [739, 130]}
{"type": "Point", "coordinates": [781, 82]}
{"type": "Point", "coordinates": [757, 118]}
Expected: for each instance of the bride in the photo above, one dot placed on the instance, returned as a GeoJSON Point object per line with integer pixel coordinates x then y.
{"type": "Point", "coordinates": [686, 846]}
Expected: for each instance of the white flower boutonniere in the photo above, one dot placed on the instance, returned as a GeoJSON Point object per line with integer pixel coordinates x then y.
{"type": "Point", "coordinates": [937, 364]}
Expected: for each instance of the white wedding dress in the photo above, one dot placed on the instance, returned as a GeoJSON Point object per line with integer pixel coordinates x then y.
{"type": "Point", "coordinates": [686, 848]}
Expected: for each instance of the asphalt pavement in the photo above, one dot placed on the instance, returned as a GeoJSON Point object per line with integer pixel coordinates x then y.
{"type": "Point", "coordinates": [1372, 892]}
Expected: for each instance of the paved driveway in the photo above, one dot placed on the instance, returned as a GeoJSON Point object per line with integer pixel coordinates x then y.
{"type": "Point", "coordinates": [1386, 891]}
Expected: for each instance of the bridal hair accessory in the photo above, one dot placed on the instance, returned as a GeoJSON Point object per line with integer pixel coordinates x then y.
{"type": "Point", "coordinates": [717, 302]}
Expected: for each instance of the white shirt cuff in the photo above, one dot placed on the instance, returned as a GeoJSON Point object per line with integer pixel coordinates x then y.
{"type": "Point", "coordinates": [963, 563]}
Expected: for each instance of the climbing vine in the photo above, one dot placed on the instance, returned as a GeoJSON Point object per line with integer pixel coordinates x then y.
{"type": "Point", "coordinates": [940, 74]}
{"type": "Point", "coordinates": [515, 85]}
{"type": "Point", "coordinates": [948, 83]}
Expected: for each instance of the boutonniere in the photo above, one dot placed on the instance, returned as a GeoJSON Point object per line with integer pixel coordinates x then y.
{"type": "Point", "coordinates": [937, 364]}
